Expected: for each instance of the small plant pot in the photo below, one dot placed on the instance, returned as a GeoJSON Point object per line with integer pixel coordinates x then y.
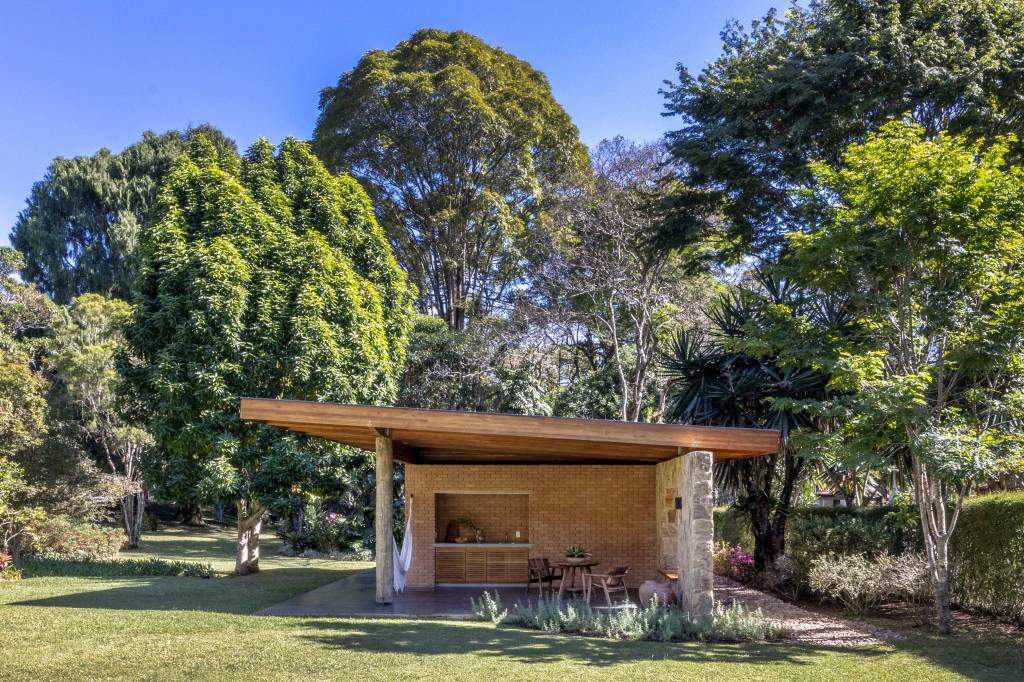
{"type": "Point", "coordinates": [577, 559]}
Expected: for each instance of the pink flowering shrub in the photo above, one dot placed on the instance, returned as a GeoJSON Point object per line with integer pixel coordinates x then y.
{"type": "Point", "coordinates": [733, 562]}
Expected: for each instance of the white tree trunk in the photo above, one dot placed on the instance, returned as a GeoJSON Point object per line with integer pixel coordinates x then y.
{"type": "Point", "coordinates": [936, 526]}
{"type": "Point", "coordinates": [250, 521]}
{"type": "Point", "coordinates": [133, 507]}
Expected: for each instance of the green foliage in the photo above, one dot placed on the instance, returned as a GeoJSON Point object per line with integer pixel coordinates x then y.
{"type": "Point", "coordinates": [806, 84]}
{"type": "Point", "coordinates": [988, 556]}
{"type": "Point", "coordinates": [576, 551]}
{"type": "Point", "coordinates": [267, 277]}
{"type": "Point", "coordinates": [46, 566]}
{"type": "Point", "coordinates": [731, 623]}
{"type": "Point", "coordinates": [594, 396]}
{"type": "Point", "coordinates": [732, 527]}
{"type": "Point", "coordinates": [870, 531]}
{"type": "Point", "coordinates": [461, 145]}
{"type": "Point", "coordinates": [83, 224]}
{"type": "Point", "coordinates": [10, 574]}
{"type": "Point", "coordinates": [17, 514]}
{"type": "Point", "coordinates": [59, 537]}
{"type": "Point", "coordinates": [469, 369]}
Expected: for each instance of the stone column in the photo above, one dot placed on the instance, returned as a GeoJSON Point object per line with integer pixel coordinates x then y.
{"type": "Point", "coordinates": [696, 534]}
{"type": "Point", "coordinates": [384, 519]}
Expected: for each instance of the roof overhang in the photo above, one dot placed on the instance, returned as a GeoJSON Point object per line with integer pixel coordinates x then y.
{"type": "Point", "coordinates": [449, 437]}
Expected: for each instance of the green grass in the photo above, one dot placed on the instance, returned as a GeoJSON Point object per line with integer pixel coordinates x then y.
{"type": "Point", "coordinates": [174, 628]}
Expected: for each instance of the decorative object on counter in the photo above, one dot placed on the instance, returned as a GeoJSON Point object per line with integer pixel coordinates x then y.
{"type": "Point", "coordinates": [460, 530]}
{"type": "Point", "coordinates": [480, 535]}
{"type": "Point", "coordinates": [651, 589]}
{"type": "Point", "coordinates": [576, 554]}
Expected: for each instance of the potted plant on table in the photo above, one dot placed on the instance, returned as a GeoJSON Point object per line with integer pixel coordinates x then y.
{"type": "Point", "coordinates": [576, 554]}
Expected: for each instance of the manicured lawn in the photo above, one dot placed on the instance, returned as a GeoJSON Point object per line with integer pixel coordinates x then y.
{"type": "Point", "coordinates": [190, 628]}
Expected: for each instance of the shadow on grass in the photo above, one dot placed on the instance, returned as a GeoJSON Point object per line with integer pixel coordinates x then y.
{"type": "Point", "coordinates": [238, 595]}
{"type": "Point", "coordinates": [436, 638]}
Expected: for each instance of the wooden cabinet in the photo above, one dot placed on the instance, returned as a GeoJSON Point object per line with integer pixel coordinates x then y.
{"type": "Point", "coordinates": [481, 564]}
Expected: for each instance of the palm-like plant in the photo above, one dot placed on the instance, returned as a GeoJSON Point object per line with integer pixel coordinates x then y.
{"type": "Point", "coordinates": [715, 384]}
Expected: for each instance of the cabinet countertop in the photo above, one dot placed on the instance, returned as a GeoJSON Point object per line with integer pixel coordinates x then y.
{"type": "Point", "coordinates": [484, 545]}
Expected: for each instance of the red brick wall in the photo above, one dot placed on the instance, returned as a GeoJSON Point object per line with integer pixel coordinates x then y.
{"type": "Point", "coordinates": [610, 509]}
{"type": "Point", "coordinates": [495, 515]}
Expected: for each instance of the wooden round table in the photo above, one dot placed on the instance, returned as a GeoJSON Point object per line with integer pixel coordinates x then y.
{"type": "Point", "coordinates": [572, 573]}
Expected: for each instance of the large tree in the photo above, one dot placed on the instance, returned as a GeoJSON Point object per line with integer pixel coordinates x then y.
{"type": "Point", "coordinates": [922, 238]}
{"type": "Point", "coordinates": [806, 84]}
{"type": "Point", "coordinates": [264, 276]}
{"type": "Point", "coordinates": [80, 230]}
{"type": "Point", "coordinates": [607, 272]}
{"type": "Point", "coordinates": [461, 146]}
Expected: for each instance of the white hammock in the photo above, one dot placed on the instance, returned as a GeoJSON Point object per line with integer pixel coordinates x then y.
{"type": "Point", "coordinates": [403, 556]}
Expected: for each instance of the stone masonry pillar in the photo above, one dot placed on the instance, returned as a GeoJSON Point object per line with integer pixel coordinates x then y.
{"type": "Point", "coordinates": [696, 534]}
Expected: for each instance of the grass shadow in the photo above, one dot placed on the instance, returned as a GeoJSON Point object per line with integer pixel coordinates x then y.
{"type": "Point", "coordinates": [434, 638]}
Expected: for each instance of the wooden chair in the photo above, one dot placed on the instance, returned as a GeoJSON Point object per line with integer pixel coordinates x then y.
{"type": "Point", "coordinates": [543, 573]}
{"type": "Point", "coordinates": [612, 582]}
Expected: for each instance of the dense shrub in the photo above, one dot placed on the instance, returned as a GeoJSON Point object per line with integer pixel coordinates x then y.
{"type": "Point", "coordinates": [733, 528]}
{"type": "Point", "coordinates": [10, 573]}
{"type": "Point", "coordinates": [59, 537]}
{"type": "Point", "coordinates": [728, 623]}
{"type": "Point", "coordinates": [816, 532]}
{"type": "Point", "coordinates": [859, 582]}
{"type": "Point", "coordinates": [987, 552]}
{"type": "Point", "coordinates": [733, 562]}
{"type": "Point", "coordinates": [36, 567]}
{"type": "Point", "coordinates": [327, 532]}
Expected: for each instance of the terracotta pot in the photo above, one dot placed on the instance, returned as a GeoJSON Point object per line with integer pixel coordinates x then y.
{"type": "Point", "coordinates": [650, 589]}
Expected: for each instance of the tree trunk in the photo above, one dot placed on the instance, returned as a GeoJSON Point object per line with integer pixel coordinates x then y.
{"type": "Point", "coordinates": [250, 521]}
{"type": "Point", "coordinates": [133, 507]}
{"type": "Point", "coordinates": [937, 527]}
{"type": "Point", "coordinates": [15, 547]}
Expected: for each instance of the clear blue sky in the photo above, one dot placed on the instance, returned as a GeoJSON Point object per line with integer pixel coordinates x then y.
{"type": "Point", "coordinates": [78, 76]}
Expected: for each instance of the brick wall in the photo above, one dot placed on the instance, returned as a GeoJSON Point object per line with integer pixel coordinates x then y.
{"type": "Point", "coordinates": [610, 509]}
{"type": "Point", "coordinates": [494, 514]}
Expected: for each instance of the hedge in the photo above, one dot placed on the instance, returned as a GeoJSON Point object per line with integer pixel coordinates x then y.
{"type": "Point", "coordinates": [987, 548]}
{"type": "Point", "coordinates": [39, 567]}
{"type": "Point", "coordinates": [987, 551]}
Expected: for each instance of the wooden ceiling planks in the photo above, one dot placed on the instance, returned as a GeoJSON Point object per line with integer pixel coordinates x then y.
{"type": "Point", "coordinates": [436, 436]}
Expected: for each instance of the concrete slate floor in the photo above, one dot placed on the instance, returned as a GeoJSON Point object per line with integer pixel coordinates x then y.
{"type": "Point", "coordinates": [354, 594]}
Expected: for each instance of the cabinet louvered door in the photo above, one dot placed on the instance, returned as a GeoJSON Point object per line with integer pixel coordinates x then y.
{"type": "Point", "coordinates": [476, 566]}
{"type": "Point", "coordinates": [518, 565]}
{"type": "Point", "coordinates": [449, 565]}
{"type": "Point", "coordinates": [497, 566]}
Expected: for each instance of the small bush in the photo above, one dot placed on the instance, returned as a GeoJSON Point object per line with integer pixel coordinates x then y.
{"type": "Point", "coordinates": [59, 537]}
{"type": "Point", "coordinates": [151, 522]}
{"type": "Point", "coordinates": [727, 623]}
{"type": "Point", "coordinates": [10, 574]}
{"type": "Point", "coordinates": [489, 608]}
{"type": "Point", "coordinates": [819, 532]}
{"type": "Point", "coordinates": [733, 562]}
{"type": "Point", "coordinates": [860, 583]}
{"type": "Point", "coordinates": [38, 567]}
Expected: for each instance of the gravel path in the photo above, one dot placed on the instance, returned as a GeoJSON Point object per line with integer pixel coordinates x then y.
{"type": "Point", "coordinates": [806, 626]}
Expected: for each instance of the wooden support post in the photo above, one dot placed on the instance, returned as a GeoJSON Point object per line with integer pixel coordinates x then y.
{"type": "Point", "coordinates": [384, 519]}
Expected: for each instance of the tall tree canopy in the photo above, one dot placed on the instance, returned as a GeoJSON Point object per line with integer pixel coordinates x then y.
{"type": "Point", "coordinates": [264, 276]}
{"type": "Point", "coordinates": [806, 85]}
{"type": "Point", "coordinates": [460, 144]}
{"type": "Point", "coordinates": [79, 232]}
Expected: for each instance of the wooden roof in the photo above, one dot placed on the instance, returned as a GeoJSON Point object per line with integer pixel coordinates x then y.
{"type": "Point", "coordinates": [448, 437]}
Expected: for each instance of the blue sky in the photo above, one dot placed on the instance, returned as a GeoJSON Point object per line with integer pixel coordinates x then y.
{"type": "Point", "coordinates": [78, 76]}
